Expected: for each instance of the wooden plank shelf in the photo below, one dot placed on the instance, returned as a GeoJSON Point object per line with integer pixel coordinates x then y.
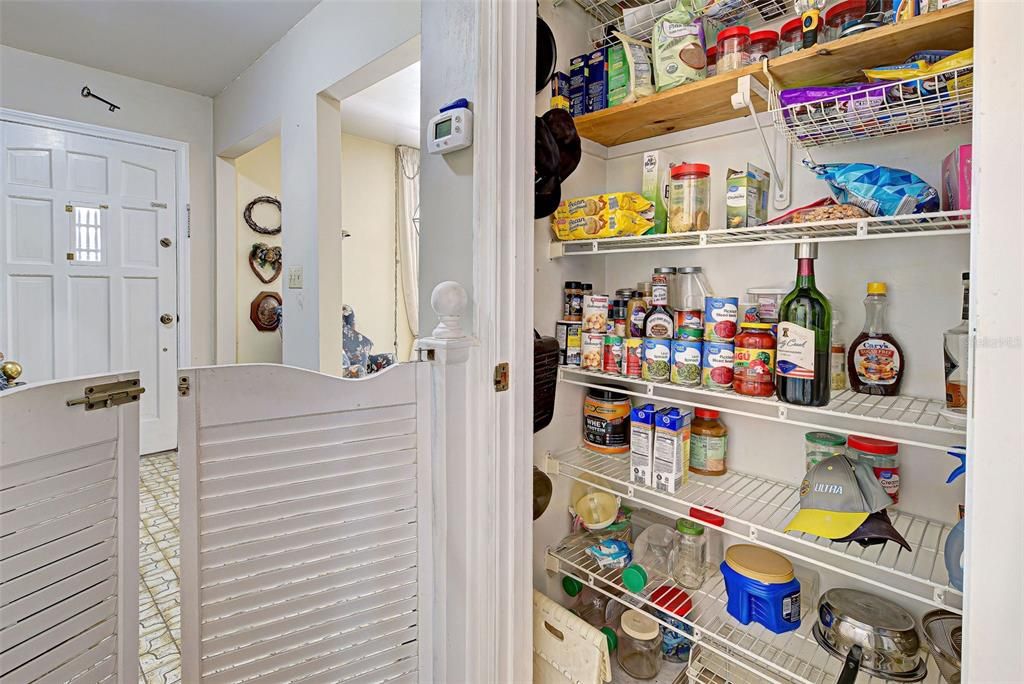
{"type": "Point", "coordinates": [709, 101]}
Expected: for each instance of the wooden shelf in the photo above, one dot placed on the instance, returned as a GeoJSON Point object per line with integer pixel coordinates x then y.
{"type": "Point", "coordinates": [709, 101]}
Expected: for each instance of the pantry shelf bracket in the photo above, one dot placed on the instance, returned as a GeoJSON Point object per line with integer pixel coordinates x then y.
{"type": "Point", "coordinates": [778, 149]}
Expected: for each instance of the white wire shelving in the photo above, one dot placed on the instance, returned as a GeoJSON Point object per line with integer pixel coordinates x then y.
{"type": "Point", "coordinates": [938, 101]}
{"type": "Point", "coordinates": [756, 509]}
{"type": "Point", "coordinates": [790, 658]}
{"type": "Point", "coordinates": [872, 228]}
{"type": "Point", "coordinates": [914, 421]}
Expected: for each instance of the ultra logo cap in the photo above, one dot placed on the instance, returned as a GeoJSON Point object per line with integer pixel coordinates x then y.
{"type": "Point", "coordinates": [836, 497]}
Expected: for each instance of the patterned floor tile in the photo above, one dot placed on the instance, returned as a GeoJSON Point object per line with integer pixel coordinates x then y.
{"type": "Point", "coordinates": [159, 600]}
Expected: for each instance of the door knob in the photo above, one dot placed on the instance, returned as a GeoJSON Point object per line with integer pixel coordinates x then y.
{"type": "Point", "coordinates": [167, 319]}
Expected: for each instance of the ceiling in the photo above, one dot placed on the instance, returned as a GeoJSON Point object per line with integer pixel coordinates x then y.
{"type": "Point", "coordinates": [388, 111]}
{"type": "Point", "coordinates": [194, 45]}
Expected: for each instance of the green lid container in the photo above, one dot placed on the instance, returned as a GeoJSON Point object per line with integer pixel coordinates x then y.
{"type": "Point", "coordinates": [611, 637]}
{"type": "Point", "coordinates": [826, 439]}
{"type": "Point", "coordinates": [684, 526]}
{"type": "Point", "coordinates": [635, 578]}
{"type": "Point", "coordinates": [571, 585]}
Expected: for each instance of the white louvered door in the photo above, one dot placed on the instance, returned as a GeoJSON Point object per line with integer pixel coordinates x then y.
{"type": "Point", "coordinates": [69, 525]}
{"type": "Point", "coordinates": [305, 530]}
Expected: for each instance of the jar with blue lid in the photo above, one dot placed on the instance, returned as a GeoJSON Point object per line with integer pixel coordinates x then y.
{"type": "Point", "coordinates": [761, 588]}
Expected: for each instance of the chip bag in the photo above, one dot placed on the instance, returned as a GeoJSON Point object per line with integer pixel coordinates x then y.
{"type": "Point", "coordinates": [607, 224]}
{"type": "Point", "coordinates": [878, 190]}
{"type": "Point", "coordinates": [595, 205]}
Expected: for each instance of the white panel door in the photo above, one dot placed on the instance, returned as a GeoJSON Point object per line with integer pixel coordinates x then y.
{"type": "Point", "coordinates": [69, 536]}
{"type": "Point", "coordinates": [85, 278]}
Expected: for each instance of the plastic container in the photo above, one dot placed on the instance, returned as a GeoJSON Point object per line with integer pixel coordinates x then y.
{"type": "Point", "coordinates": [597, 510]}
{"type": "Point", "coordinates": [791, 36]}
{"type": "Point", "coordinates": [838, 17]}
{"type": "Point", "coordinates": [819, 445]}
{"type": "Point", "coordinates": [690, 555]}
{"type": "Point", "coordinates": [754, 361]}
{"type": "Point", "coordinates": [590, 605]}
{"type": "Point", "coordinates": [810, 582]}
{"type": "Point", "coordinates": [672, 604]}
{"type": "Point", "coordinates": [761, 587]}
{"type": "Point", "coordinates": [712, 58]}
{"type": "Point", "coordinates": [606, 421]}
{"type": "Point", "coordinates": [689, 198]}
{"type": "Point", "coordinates": [763, 45]}
{"type": "Point", "coordinates": [733, 49]}
{"type": "Point", "coordinates": [639, 651]}
{"type": "Point", "coordinates": [767, 300]}
{"type": "Point", "coordinates": [652, 556]}
{"type": "Point", "coordinates": [687, 300]}
{"type": "Point", "coordinates": [708, 442]}
{"type": "Point", "coordinates": [954, 553]}
{"type": "Point", "coordinates": [713, 522]}
{"type": "Point", "coordinates": [884, 459]}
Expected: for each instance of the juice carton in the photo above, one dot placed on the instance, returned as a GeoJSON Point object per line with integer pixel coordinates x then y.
{"type": "Point", "coordinates": [653, 189]}
{"type": "Point", "coordinates": [597, 80]}
{"type": "Point", "coordinates": [671, 462]}
{"type": "Point", "coordinates": [746, 197]}
{"type": "Point", "coordinates": [956, 179]}
{"type": "Point", "coordinates": [560, 91]}
{"type": "Point", "coordinates": [578, 85]}
{"type": "Point", "coordinates": [641, 438]}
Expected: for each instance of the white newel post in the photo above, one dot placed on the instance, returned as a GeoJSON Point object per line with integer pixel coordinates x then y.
{"type": "Point", "coordinates": [448, 350]}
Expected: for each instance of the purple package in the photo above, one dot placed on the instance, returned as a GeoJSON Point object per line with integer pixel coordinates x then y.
{"type": "Point", "coordinates": [812, 94]}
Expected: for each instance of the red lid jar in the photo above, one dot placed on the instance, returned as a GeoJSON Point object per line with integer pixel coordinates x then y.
{"type": "Point", "coordinates": [791, 36]}
{"type": "Point", "coordinates": [733, 49]}
{"type": "Point", "coordinates": [870, 445]}
{"type": "Point", "coordinates": [680, 171]}
{"type": "Point", "coordinates": [850, 11]}
{"type": "Point", "coordinates": [753, 366]}
{"type": "Point", "coordinates": [763, 45]}
{"type": "Point", "coordinates": [883, 457]}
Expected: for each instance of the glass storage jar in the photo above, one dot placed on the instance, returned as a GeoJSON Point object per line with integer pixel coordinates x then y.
{"type": "Point", "coordinates": [690, 555]}
{"type": "Point", "coordinates": [708, 441]}
{"type": "Point", "coordinates": [733, 49]}
{"type": "Point", "coordinates": [712, 57]}
{"type": "Point", "coordinates": [791, 36]}
{"type": "Point", "coordinates": [763, 45]}
{"type": "Point", "coordinates": [639, 652]}
{"type": "Point", "coordinates": [844, 14]}
{"type": "Point", "coordinates": [819, 445]}
{"type": "Point", "coordinates": [688, 199]}
{"type": "Point", "coordinates": [753, 368]}
{"type": "Point", "coordinates": [687, 300]}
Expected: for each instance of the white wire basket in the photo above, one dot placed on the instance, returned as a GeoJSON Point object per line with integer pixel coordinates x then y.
{"type": "Point", "coordinates": [940, 100]}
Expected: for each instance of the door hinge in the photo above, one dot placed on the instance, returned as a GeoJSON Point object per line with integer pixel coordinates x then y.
{"type": "Point", "coordinates": [501, 377]}
{"type": "Point", "coordinates": [111, 394]}
{"type": "Point", "coordinates": [183, 386]}
{"type": "Point", "coordinates": [188, 220]}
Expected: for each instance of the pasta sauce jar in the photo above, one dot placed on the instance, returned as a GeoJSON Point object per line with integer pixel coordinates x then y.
{"type": "Point", "coordinates": [754, 360]}
{"type": "Point", "coordinates": [606, 421]}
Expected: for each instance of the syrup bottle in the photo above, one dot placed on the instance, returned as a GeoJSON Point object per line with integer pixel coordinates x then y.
{"type": "Point", "coordinates": [876, 362]}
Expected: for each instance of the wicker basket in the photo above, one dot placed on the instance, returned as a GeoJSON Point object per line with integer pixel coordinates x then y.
{"type": "Point", "coordinates": [545, 379]}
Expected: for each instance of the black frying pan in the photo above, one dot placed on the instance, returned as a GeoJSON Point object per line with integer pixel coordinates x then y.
{"type": "Point", "coordinates": [547, 55]}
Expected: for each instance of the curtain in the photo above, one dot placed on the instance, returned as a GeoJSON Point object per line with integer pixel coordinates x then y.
{"type": "Point", "coordinates": [407, 229]}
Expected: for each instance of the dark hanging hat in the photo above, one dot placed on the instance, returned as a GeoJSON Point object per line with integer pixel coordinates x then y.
{"type": "Point", "coordinates": [557, 153]}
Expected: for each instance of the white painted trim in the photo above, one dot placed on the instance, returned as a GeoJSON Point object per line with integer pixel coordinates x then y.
{"type": "Point", "coordinates": [425, 505]}
{"type": "Point", "coordinates": [188, 507]}
{"type": "Point", "coordinates": [180, 149]}
{"type": "Point", "coordinates": [225, 258]}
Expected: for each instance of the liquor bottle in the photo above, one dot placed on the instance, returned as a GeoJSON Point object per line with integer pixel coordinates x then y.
{"type": "Point", "coordinates": [955, 353]}
{"type": "Point", "coordinates": [802, 364]}
{"type": "Point", "coordinates": [875, 362]}
{"type": "Point", "coordinates": [659, 323]}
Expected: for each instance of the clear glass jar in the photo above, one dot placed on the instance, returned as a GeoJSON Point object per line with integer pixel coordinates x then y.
{"type": "Point", "coordinates": [652, 557]}
{"type": "Point", "coordinates": [690, 555]}
{"type": "Point", "coordinates": [712, 522]}
{"type": "Point", "coordinates": [590, 605]}
{"type": "Point", "coordinates": [712, 58]}
{"type": "Point", "coordinates": [689, 198]}
{"type": "Point", "coordinates": [839, 16]}
{"type": "Point", "coordinates": [639, 652]}
{"type": "Point", "coordinates": [763, 45]}
{"type": "Point", "coordinates": [733, 49]}
{"type": "Point", "coordinates": [819, 445]}
{"type": "Point", "coordinates": [791, 36]}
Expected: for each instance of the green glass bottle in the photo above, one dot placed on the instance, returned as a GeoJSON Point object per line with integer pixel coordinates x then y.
{"type": "Point", "coordinates": [802, 361]}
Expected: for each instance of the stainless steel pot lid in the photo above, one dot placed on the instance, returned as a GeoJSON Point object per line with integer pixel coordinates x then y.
{"type": "Point", "coordinates": [919, 672]}
{"type": "Point", "coordinates": [867, 610]}
{"type": "Point", "coordinates": [944, 632]}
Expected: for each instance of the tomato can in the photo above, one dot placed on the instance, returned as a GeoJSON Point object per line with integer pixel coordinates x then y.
{"type": "Point", "coordinates": [689, 319]}
{"type": "Point", "coordinates": [686, 362]}
{"type": "Point", "coordinates": [632, 357]}
{"type": "Point", "coordinates": [612, 354]}
{"type": "Point", "coordinates": [716, 365]}
{"type": "Point", "coordinates": [720, 316]}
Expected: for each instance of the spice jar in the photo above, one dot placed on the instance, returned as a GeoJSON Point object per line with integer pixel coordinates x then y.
{"type": "Point", "coordinates": [588, 289]}
{"type": "Point", "coordinates": [639, 652]}
{"type": "Point", "coordinates": [883, 456]}
{"type": "Point", "coordinates": [572, 304]}
{"type": "Point", "coordinates": [819, 445]}
{"type": "Point", "coordinates": [712, 58]}
{"type": "Point", "coordinates": [753, 368]}
{"type": "Point", "coordinates": [619, 325]}
{"type": "Point", "coordinates": [733, 49]}
{"type": "Point", "coordinates": [647, 290]}
{"type": "Point", "coordinates": [606, 421]}
{"type": "Point", "coordinates": [708, 437]}
{"type": "Point", "coordinates": [688, 198]}
{"type": "Point", "coordinates": [791, 36]}
{"type": "Point", "coordinates": [690, 554]}
{"type": "Point", "coordinates": [763, 45]}
{"type": "Point", "coordinates": [847, 13]}
{"type": "Point", "coordinates": [636, 311]}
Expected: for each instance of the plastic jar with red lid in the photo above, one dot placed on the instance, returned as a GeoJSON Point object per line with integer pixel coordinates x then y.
{"type": "Point", "coordinates": [753, 366]}
{"type": "Point", "coordinates": [689, 198]}
{"type": "Point", "coordinates": [839, 16]}
{"type": "Point", "coordinates": [733, 49]}
{"type": "Point", "coordinates": [883, 457]}
{"type": "Point", "coordinates": [712, 58]}
{"type": "Point", "coordinates": [763, 45]}
{"type": "Point", "coordinates": [791, 36]}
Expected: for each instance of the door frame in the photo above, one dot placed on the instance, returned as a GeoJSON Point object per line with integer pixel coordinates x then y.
{"type": "Point", "coordinates": [183, 329]}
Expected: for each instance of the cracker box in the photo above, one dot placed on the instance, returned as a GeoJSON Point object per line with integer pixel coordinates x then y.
{"type": "Point", "coordinates": [560, 91]}
{"type": "Point", "coordinates": [618, 75]}
{"type": "Point", "coordinates": [578, 85]}
{"type": "Point", "coordinates": [746, 197]}
{"type": "Point", "coordinates": [671, 462]}
{"type": "Point", "coordinates": [956, 179]}
{"type": "Point", "coordinates": [641, 440]}
{"type": "Point", "coordinates": [597, 80]}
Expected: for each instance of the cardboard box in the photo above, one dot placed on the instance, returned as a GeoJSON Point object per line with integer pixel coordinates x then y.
{"type": "Point", "coordinates": [956, 179]}
{"type": "Point", "coordinates": [641, 441]}
{"type": "Point", "coordinates": [597, 80]}
{"type": "Point", "coordinates": [560, 91]}
{"type": "Point", "coordinates": [746, 197]}
{"type": "Point", "coordinates": [618, 75]}
{"type": "Point", "coordinates": [671, 460]}
{"type": "Point", "coordinates": [654, 190]}
{"type": "Point", "coordinates": [578, 85]}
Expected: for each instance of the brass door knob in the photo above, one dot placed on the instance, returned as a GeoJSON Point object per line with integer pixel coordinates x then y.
{"type": "Point", "coordinates": [167, 319]}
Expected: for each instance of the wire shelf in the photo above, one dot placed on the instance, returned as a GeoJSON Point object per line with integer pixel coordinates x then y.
{"type": "Point", "coordinates": [781, 658]}
{"type": "Point", "coordinates": [944, 99]}
{"type": "Point", "coordinates": [914, 421]}
{"type": "Point", "coordinates": [757, 508]}
{"type": "Point", "coordinates": [872, 228]}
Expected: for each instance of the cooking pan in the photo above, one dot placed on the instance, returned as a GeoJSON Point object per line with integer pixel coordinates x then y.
{"type": "Point", "coordinates": [869, 634]}
{"type": "Point", "coordinates": [547, 54]}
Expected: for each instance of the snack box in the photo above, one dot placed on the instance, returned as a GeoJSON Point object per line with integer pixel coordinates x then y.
{"type": "Point", "coordinates": [653, 190]}
{"type": "Point", "coordinates": [746, 197]}
{"type": "Point", "coordinates": [618, 75]}
{"type": "Point", "coordinates": [597, 80]}
{"type": "Point", "coordinates": [956, 179]}
{"type": "Point", "coordinates": [560, 91]}
{"type": "Point", "coordinates": [578, 85]}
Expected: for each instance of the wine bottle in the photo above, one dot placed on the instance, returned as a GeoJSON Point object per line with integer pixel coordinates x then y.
{"type": "Point", "coordinates": [802, 361]}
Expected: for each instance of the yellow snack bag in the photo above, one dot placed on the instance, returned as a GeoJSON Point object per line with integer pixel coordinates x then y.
{"type": "Point", "coordinates": [606, 224]}
{"type": "Point", "coordinates": [595, 205]}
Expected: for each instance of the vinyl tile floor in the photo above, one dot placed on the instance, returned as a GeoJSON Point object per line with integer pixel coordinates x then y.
{"type": "Point", "coordinates": [159, 560]}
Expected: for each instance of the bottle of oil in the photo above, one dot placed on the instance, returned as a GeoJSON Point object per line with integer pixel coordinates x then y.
{"type": "Point", "coordinates": [876, 362]}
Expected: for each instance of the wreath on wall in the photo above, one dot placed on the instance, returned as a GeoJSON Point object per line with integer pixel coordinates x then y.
{"type": "Point", "coordinates": [263, 256]}
{"type": "Point", "coordinates": [247, 214]}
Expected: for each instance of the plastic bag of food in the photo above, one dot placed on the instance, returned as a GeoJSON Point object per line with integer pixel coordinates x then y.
{"type": "Point", "coordinates": [878, 190]}
{"type": "Point", "coordinates": [636, 79]}
{"type": "Point", "coordinates": [678, 44]}
{"type": "Point", "coordinates": [606, 224]}
{"type": "Point", "coordinates": [945, 77]}
{"type": "Point", "coordinates": [595, 205]}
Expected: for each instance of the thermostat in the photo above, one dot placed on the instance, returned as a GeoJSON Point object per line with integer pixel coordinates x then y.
{"type": "Point", "coordinates": [452, 129]}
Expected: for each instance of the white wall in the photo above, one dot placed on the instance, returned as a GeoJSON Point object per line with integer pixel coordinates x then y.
{"type": "Point", "coordinates": [43, 85]}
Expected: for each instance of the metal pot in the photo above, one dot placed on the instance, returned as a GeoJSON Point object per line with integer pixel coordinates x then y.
{"type": "Point", "coordinates": [869, 633]}
{"type": "Point", "coordinates": [943, 631]}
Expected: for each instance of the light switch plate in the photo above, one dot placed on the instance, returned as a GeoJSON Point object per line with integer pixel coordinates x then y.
{"type": "Point", "coordinates": [294, 277]}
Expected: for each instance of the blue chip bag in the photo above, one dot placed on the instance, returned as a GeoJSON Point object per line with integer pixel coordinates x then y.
{"type": "Point", "coordinates": [878, 190]}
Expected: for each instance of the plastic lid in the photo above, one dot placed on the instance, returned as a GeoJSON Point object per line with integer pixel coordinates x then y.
{"type": "Point", "coordinates": [764, 35]}
{"type": "Point", "coordinates": [690, 269]}
{"type": "Point", "coordinates": [571, 585]}
{"type": "Point", "coordinates": [707, 516]}
{"type": "Point", "coordinates": [611, 637]}
{"type": "Point", "coordinates": [756, 326]}
{"type": "Point", "coordinates": [684, 526]}
{"type": "Point", "coordinates": [792, 25]}
{"type": "Point", "coordinates": [732, 33]}
{"type": "Point", "coordinates": [845, 8]}
{"type": "Point", "coordinates": [587, 286]}
{"type": "Point", "coordinates": [712, 51]}
{"type": "Point", "coordinates": [706, 413]}
{"type": "Point", "coordinates": [634, 577]}
{"type": "Point", "coordinates": [606, 394]}
{"type": "Point", "coordinates": [681, 170]}
{"type": "Point", "coordinates": [876, 288]}
{"type": "Point", "coordinates": [666, 269]}
{"type": "Point", "coordinates": [870, 445]}
{"type": "Point", "coordinates": [639, 625]}
{"type": "Point", "coordinates": [825, 438]}
{"type": "Point", "coordinates": [571, 284]}
{"type": "Point", "coordinates": [759, 563]}
{"type": "Point", "coordinates": [672, 600]}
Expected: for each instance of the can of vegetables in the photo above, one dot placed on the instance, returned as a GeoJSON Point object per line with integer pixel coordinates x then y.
{"type": "Point", "coordinates": [717, 365]}
{"type": "Point", "coordinates": [686, 362]}
{"type": "Point", "coordinates": [720, 316]}
{"type": "Point", "coordinates": [657, 355]}
{"type": "Point", "coordinates": [632, 356]}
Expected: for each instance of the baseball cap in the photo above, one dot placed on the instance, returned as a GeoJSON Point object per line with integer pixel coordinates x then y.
{"type": "Point", "coordinates": [836, 497]}
{"type": "Point", "coordinates": [877, 529]}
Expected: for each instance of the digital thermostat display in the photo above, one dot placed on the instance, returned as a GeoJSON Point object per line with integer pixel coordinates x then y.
{"type": "Point", "coordinates": [443, 128]}
{"type": "Point", "coordinates": [450, 130]}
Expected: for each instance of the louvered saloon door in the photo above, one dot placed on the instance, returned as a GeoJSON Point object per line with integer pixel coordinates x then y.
{"type": "Point", "coordinates": [304, 501]}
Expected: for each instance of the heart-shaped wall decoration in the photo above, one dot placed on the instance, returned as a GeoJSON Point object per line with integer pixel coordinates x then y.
{"type": "Point", "coordinates": [262, 257]}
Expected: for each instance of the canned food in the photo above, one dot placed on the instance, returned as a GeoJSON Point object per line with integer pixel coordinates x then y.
{"type": "Point", "coordinates": [696, 334]}
{"type": "Point", "coordinates": [720, 315]}
{"type": "Point", "coordinates": [595, 313]}
{"type": "Point", "coordinates": [632, 357]}
{"type": "Point", "coordinates": [592, 351]}
{"type": "Point", "coordinates": [686, 362]}
{"type": "Point", "coordinates": [612, 354]}
{"type": "Point", "coordinates": [688, 319]}
{"type": "Point", "coordinates": [716, 366]}
{"type": "Point", "coordinates": [568, 335]}
{"type": "Point", "coordinates": [657, 355]}
{"type": "Point", "coordinates": [749, 313]}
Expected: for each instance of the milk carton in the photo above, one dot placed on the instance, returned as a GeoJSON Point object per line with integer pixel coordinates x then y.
{"type": "Point", "coordinates": [746, 197]}
{"type": "Point", "coordinates": [641, 438]}
{"type": "Point", "coordinates": [671, 462]}
{"type": "Point", "coordinates": [653, 189]}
